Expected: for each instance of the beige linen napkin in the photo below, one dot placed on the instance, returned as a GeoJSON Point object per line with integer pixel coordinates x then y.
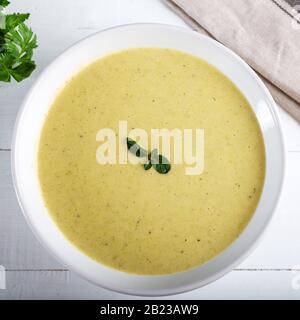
{"type": "Point", "coordinates": [265, 33]}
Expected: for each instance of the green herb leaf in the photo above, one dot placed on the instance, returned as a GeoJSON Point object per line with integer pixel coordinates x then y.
{"type": "Point", "coordinates": [13, 20]}
{"type": "Point", "coordinates": [135, 149]}
{"type": "Point", "coordinates": [4, 3]}
{"type": "Point", "coordinates": [4, 75]}
{"type": "Point", "coordinates": [23, 71]}
{"type": "Point", "coordinates": [5, 61]}
{"type": "Point", "coordinates": [17, 42]}
{"type": "Point", "coordinates": [160, 163]}
{"type": "Point", "coordinates": [148, 165]}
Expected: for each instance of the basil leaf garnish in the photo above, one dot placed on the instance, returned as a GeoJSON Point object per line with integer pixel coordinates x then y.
{"type": "Point", "coordinates": [135, 149]}
{"type": "Point", "coordinates": [160, 163]}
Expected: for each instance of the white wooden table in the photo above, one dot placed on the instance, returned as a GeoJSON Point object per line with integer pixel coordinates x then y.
{"type": "Point", "coordinates": [272, 271]}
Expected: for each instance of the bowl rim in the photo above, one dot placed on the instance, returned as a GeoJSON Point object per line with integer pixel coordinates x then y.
{"type": "Point", "coordinates": [181, 289]}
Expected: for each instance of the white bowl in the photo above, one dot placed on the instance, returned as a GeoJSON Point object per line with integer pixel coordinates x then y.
{"type": "Point", "coordinates": [33, 113]}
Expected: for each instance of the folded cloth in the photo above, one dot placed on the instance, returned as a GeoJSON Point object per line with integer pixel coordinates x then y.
{"type": "Point", "coordinates": [265, 33]}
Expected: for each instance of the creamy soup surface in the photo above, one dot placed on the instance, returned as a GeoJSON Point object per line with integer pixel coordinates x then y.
{"type": "Point", "coordinates": [141, 221]}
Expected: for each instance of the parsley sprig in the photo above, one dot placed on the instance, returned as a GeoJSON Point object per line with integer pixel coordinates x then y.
{"type": "Point", "coordinates": [17, 42]}
{"type": "Point", "coordinates": [160, 163]}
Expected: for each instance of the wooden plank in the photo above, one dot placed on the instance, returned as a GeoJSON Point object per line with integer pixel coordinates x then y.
{"type": "Point", "coordinates": [11, 96]}
{"type": "Point", "coordinates": [235, 285]}
{"type": "Point", "coordinates": [18, 246]}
